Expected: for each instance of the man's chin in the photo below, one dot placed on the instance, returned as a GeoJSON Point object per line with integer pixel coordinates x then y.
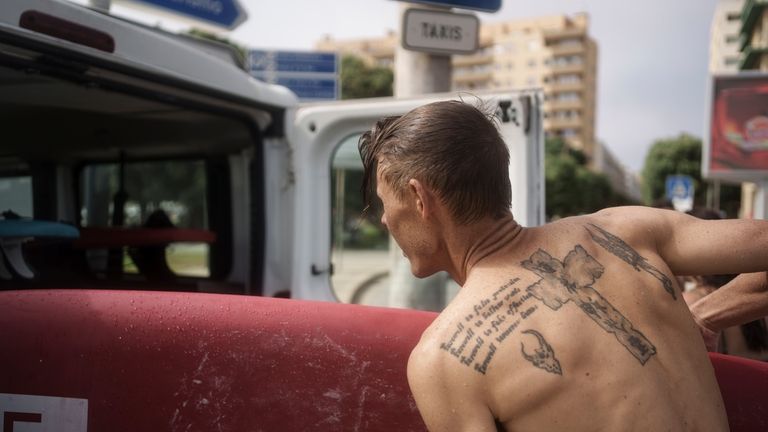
{"type": "Point", "coordinates": [422, 273]}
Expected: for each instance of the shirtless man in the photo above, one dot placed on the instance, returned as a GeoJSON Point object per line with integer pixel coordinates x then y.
{"type": "Point", "coordinates": [576, 325]}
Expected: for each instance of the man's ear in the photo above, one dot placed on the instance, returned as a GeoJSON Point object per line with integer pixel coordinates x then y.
{"type": "Point", "coordinates": [425, 199]}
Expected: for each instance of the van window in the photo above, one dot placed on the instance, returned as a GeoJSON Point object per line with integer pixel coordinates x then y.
{"type": "Point", "coordinates": [156, 194]}
{"type": "Point", "coordinates": [360, 244]}
{"type": "Point", "coordinates": [16, 195]}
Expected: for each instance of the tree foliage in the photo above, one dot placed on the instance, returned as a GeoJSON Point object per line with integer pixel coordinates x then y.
{"type": "Point", "coordinates": [671, 156]}
{"type": "Point", "coordinates": [242, 52]}
{"type": "Point", "coordinates": [361, 81]}
{"type": "Point", "coordinates": [571, 187]}
{"type": "Point", "coordinates": [681, 155]}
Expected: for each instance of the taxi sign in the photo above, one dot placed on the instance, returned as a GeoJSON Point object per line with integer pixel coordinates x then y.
{"type": "Point", "coordinates": [440, 32]}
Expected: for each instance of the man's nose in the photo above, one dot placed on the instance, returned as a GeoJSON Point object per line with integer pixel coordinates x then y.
{"type": "Point", "coordinates": [384, 221]}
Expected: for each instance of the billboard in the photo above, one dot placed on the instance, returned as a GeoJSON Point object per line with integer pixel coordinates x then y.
{"type": "Point", "coordinates": [737, 143]}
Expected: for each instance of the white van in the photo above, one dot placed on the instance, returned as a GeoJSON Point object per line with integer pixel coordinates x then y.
{"type": "Point", "coordinates": [234, 184]}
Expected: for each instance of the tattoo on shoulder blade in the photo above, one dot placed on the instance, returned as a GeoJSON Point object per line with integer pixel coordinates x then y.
{"type": "Point", "coordinates": [571, 280]}
{"type": "Point", "coordinates": [626, 253]}
{"type": "Point", "coordinates": [543, 356]}
{"type": "Point", "coordinates": [485, 326]}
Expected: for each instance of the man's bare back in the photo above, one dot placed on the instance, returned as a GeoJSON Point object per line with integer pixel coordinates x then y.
{"type": "Point", "coordinates": [577, 325]}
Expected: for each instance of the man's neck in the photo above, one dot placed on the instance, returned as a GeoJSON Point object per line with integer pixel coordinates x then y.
{"type": "Point", "coordinates": [478, 242]}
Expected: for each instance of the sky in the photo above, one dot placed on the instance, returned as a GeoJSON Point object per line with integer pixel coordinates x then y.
{"type": "Point", "coordinates": [652, 54]}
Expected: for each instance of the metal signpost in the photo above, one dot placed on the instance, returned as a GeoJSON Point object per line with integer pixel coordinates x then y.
{"type": "Point", "coordinates": [226, 14]}
{"type": "Point", "coordinates": [313, 76]}
{"type": "Point", "coordinates": [429, 35]}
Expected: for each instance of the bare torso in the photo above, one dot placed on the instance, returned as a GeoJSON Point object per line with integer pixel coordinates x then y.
{"type": "Point", "coordinates": [580, 327]}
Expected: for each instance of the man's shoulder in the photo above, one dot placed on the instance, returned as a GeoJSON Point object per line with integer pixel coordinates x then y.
{"type": "Point", "coordinates": [626, 220]}
{"type": "Point", "coordinates": [623, 212]}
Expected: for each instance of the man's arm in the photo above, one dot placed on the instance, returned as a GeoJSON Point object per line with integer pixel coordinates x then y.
{"type": "Point", "coordinates": [740, 301]}
{"type": "Point", "coordinates": [692, 246]}
{"type": "Point", "coordinates": [445, 405]}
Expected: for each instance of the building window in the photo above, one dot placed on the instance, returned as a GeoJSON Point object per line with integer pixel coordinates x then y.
{"type": "Point", "coordinates": [16, 195]}
{"type": "Point", "coordinates": [531, 63]}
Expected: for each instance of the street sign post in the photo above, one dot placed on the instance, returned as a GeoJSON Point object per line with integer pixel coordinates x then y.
{"type": "Point", "coordinates": [679, 190]}
{"type": "Point", "coordinates": [478, 5]}
{"type": "Point", "coordinates": [226, 14]}
{"type": "Point", "coordinates": [440, 32]}
{"type": "Point", "coordinates": [313, 76]}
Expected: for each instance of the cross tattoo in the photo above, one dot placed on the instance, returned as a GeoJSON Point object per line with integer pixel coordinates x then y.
{"type": "Point", "coordinates": [571, 280]}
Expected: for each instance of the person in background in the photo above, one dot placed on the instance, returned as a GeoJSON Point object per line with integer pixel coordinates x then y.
{"type": "Point", "coordinates": [747, 339]}
{"type": "Point", "coordinates": [151, 260]}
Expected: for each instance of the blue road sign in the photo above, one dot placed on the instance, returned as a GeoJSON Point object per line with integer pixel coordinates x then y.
{"type": "Point", "coordinates": [287, 61]}
{"type": "Point", "coordinates": [313, 76]}
{"type": "Point", "coordinates": [311, 88]}
{"type": "Point", "coordinates": [679, 187]}
{"type": "Point", "coordinates": [478, 5]}
{"type": "Point", "coordinates": [221, 13]}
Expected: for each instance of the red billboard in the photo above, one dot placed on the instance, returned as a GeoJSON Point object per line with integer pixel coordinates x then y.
{"type": "Point", "coordinates": [738, 141]}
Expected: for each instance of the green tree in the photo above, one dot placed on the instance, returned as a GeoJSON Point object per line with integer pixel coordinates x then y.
{"type": "Point", "coordinates": [670, 156]}
{"type": "Point", "coordinates": [682, 155]}
{"type": "Point", "coordinates": [571, 187]}
{"type": "Point", "coordinates": [239, 50]}
{"type": "Point", "coordinates": [361, 81]}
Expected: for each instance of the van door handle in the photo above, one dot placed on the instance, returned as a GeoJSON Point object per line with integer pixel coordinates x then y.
{"type": "Point", "coordinates": [317, 272]}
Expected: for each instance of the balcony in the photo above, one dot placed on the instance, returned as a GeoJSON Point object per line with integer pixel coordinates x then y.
{"type": "Point", "coordinates": [553, 87]}
{"type": "Point", "coordinates": [551, 104]}
{"type": "Point", "coordinates": [566, 49]}
{"type": "Point", "coordinates": [556, 34]}
{"type": "Point", "coordinates": [473, 59]}
{"type": "Point", "coordinates": [744, 41]}
{"type": "Point", "coordinates": [567, 68]}
{"type": "Point", "coordinates": [750, 13]}
{"type": "Point", "coordinates": [563, 123]}
{"type": "Point", "coordinates": [473, 77]}
{"type": "Point", "coordinates": [750, 57]}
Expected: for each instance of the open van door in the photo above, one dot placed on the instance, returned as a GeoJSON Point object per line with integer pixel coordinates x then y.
{"type": "Point", "coordinates": [341, 253]}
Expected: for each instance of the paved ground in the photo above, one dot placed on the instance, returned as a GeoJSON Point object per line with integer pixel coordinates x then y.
{"type": "Point", "coordinates": [366, 277]}
{"type": "Point", "coordinates": [362, 276]}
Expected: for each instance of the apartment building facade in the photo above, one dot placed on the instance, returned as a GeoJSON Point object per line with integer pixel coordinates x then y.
{"type": "Point", "coordinates": [753, 37]}
{"type": "Point", "coordinates": [725, 37]}
{"type": "Point", "coordinates": [555, 53]}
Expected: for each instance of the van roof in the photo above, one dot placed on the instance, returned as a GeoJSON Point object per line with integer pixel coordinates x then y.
{"type": "Point", "coordinates": [144, 49]}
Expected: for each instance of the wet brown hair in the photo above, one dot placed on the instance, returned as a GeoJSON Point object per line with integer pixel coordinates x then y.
{"type": "Point", "coordinates": [452, 147]}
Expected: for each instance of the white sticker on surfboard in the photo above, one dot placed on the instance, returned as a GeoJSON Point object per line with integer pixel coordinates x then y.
{"type": "Point", "coordinates": [32, 413]}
